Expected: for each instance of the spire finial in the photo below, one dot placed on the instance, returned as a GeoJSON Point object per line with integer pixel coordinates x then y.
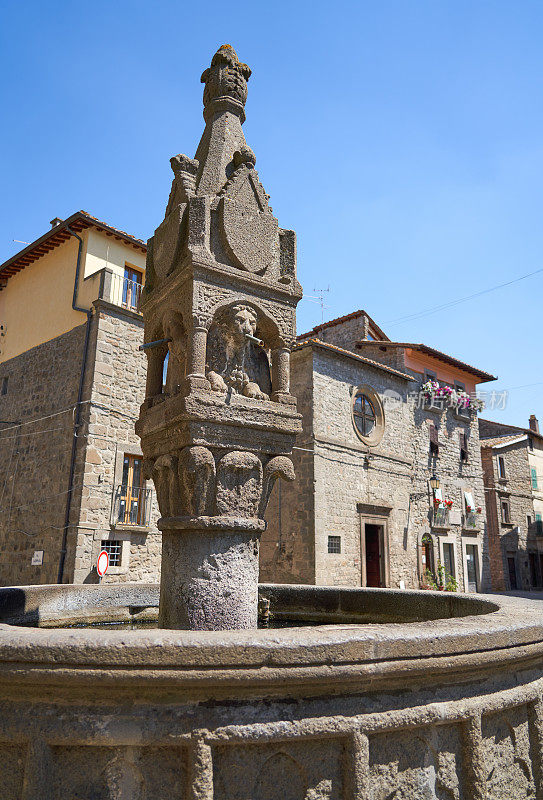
{"type": "Point", "coordinates": [225, 82]}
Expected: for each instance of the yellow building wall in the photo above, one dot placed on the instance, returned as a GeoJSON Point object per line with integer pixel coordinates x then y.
{"type": "Point", "coordinates": [36, 304]}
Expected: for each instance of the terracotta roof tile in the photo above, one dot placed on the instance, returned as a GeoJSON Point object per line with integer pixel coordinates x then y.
{"type": "Point", "coordinates": [350, 354]}
{"type": "Point", "coordinates": [59, 234]}
{"type": "Point", "coordinates": [424, 348]}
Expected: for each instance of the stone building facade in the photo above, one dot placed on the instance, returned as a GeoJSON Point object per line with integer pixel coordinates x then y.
{"type": "Point", "coordinates": [362, 510]}
{"type": "Point", "coordinates": [71, 382]}
{"type": "Point", "coordinates": [512, 460]}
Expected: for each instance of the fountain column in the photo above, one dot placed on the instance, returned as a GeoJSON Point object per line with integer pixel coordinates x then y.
{"type": "Point", "coordinates": [221, 288]}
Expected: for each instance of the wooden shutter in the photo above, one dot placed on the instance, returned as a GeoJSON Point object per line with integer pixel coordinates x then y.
{"type": "Point", "coordinates": [434, 439]}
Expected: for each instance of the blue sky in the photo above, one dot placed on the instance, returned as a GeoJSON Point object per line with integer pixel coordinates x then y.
{"type": "Point", "coordinates": [401, 140]}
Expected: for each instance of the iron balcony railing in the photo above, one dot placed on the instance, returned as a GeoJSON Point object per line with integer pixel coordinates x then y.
{"type": "Point", "coordinates": [472, 521]}
{"type": "Point", "coordinates": [132, 506]}
{"type": "Point", "coordinates": [124, 292]}
{"type": "Point", "coordinates": [440, 517]}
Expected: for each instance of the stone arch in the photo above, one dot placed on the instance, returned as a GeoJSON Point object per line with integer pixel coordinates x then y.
{"type": "Point", "coordinates": [238, 345]}
{"type": "Point", "coordinates": [281, 778]}
{"type": "Point", "coordinates": [174, 328]}
{"type": "Point", "coordinates": [155, 360]}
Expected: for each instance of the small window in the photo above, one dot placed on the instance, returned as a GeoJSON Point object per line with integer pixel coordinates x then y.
{"type": "Point", "coordinates": [506, 511]}
{"type": "Point", "coordinates": [463, 446]}
{"type": "Point", "coordinates": [538, 525]}
{"type": "Point", "coordinates": [460, 387]}
{"type": "Point", "coordinates": [530, 444]}
{"type": "Point", "coordinates": [434, 439]}
{"type": "Point", "coordinates": [429, 375]}
{"type": "Point", "coordinates": [334, 544]}
{"type": "Point", "coordinates": [5, 381]}
{"type": "Point", "coordinates": [113, 549]}
{"type": "Point", "coordinates": [501, 467]}
{"type": "Point", "coordinates": [364, 414]}
{"type": "Point", "coordinates": [533, 473]}
{"type": "Point", "coordinates": [529, 521]}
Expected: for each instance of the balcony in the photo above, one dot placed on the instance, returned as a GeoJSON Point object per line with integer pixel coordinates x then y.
{"type": "Point", "coordinates": [112, 287]}
{"type": "Point", "coordinates": [132, 507]}
{"type": "Point", "coordinates": [440, 518]}
{"type": "Point", "coordinates": [472, 521]}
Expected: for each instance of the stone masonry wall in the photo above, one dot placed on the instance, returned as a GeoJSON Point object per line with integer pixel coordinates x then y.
{"type": "Point", "coordinates": [514, 539]}
{"type": "Point", "coordinates": [395, 473]}
{"type": "Point", "coordinates": [287, 548]}
{"type": "Point", "coordinates": [344, 334]}
{"type": "Point", "coordinates": [118, 389]}
{"type": "Point", "coordinates": [345, 476]}
{"type": "Point", "coordinates": [497, 562]}
{"type": "Point", "coordinates": [456, 477]}
{"type": "Point", "coordinates": [35, 457]}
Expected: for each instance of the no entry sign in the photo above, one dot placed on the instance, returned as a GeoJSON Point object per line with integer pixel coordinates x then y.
{"type": "Point", "coordinates": [102, 564]}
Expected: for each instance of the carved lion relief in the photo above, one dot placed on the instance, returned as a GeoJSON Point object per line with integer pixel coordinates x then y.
{"type": "Point", "coordinates": [234, 361]}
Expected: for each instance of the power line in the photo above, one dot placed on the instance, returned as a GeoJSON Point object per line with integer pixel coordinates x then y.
{"type": "Point", "coordinates": [434, 309]}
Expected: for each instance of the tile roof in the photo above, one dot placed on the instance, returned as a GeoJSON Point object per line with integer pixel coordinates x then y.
{"type": "Point", "coordinates": [350, 354]}
{"type": "Point", "coordinates": [59, 234]}
{"type": "Point", "coordinates": [512, 428]}
{"type": "Point", "coordinates": [497, 440]}
{"type": "Point", "coordinates": [339, 321]}
{"type": "Point", "coordinates": [424, 348]}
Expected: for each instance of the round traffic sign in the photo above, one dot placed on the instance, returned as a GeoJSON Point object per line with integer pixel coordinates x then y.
{"type": "Point", "coordinates": [102, 564]}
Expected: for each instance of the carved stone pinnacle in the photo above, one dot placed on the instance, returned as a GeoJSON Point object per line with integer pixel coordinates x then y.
{"type": "Point", "coordinates": [226, 78]}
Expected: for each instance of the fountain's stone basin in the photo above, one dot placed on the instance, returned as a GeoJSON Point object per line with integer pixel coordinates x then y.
{"type": "Point", "coordinates": [448, 706]}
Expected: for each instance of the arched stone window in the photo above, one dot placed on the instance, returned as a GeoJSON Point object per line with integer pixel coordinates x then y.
{"type": "Point", "coordinates": [368, 415]}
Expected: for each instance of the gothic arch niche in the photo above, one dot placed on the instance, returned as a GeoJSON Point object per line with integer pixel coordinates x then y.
{"type": "Point", "coordinates": [174, 329]}
{"type": "Point", "coordinates": [239, 342]}
{"type": "Point", "coordinates": [281, 778]}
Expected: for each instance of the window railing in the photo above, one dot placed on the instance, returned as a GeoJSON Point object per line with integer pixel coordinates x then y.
{"type": "Point", "coordinates": [472, 521]}
{"type": "Point", "coordinates": [440, 518]}
{"type": "Point", "coordinates": [124, 292]}
{"type": "Point", "coordinates": [132, 506]}
{"type": "Point", "coordinates": [112, 287]}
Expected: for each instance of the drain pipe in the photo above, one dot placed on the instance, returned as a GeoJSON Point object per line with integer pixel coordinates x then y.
{"type": "Point", "coordinates": [77, 417]}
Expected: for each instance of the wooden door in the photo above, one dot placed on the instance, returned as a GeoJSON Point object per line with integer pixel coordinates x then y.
{"type": "Point", "coordinates": [511, 566]}
{"type": "Point", "coordinates": [533, 570]}
{"type": "Point", "coordinates": [373, 555]}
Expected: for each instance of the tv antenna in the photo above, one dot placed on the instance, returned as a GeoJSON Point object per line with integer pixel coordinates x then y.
{"type": "Point", "coordinates": [318, 298]}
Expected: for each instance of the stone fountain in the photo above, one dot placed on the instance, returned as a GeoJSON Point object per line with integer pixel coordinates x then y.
{"type": "Point", "coordinates": [220, 297]}
{"type": "Point", "coordinates": [388, 695]}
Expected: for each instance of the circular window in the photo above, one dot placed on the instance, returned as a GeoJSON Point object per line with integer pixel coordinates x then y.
{"type": "Point", "coordinates": [368, 415]}
{"type": "Point", "coordinates": [364, 414]}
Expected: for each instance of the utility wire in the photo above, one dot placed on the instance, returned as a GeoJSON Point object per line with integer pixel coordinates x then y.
{"type": "Point", "coordinates": [435, 309]}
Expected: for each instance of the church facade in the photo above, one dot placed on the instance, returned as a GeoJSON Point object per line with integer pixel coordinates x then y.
{"type": "Point", "coordinates": [389, 488]}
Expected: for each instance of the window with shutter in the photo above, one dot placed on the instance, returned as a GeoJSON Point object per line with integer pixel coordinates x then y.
{"type": "Point", "coordinates": [434, 439]}
{"type": "Point", "coordinates": [463, 446]}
